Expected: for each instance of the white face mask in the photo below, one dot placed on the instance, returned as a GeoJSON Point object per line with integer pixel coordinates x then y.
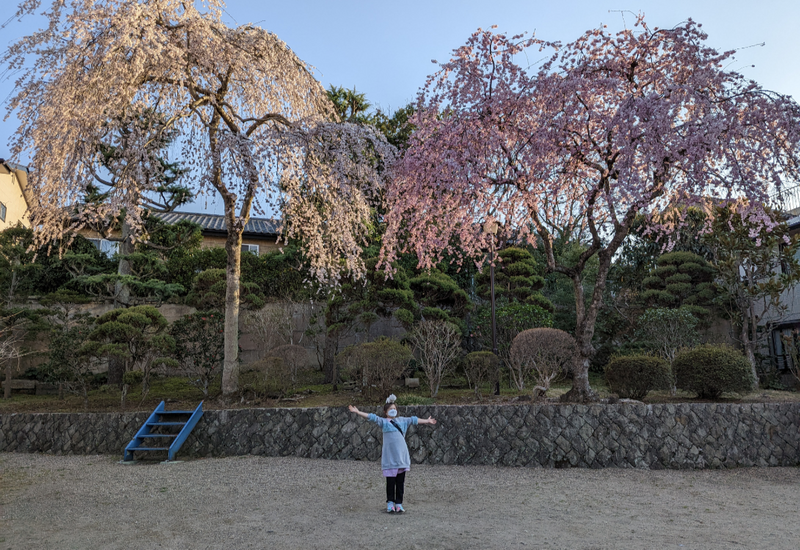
{"type": "Point", "coordinates": [391, 413]}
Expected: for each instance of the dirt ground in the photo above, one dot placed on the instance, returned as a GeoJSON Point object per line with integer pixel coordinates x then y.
{"type": "Point", "coordinates": [88, 502]}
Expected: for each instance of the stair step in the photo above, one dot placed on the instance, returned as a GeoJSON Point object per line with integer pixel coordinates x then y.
{"type": "Point", "coordinates": [166, 423]}
{"type": "Point", "coordinates": [173, 441]}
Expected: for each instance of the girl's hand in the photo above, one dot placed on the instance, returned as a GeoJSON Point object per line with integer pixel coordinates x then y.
{"type": "Point", "coordinates": [429, 420]}
{"type": "Point", "coordinates": [353, 409]}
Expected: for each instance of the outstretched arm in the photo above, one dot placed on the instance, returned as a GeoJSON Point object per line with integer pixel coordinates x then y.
{"type": "Point", "coordinates": [428, 420]}
{"type": "Point", "coordinates": [354, 409]}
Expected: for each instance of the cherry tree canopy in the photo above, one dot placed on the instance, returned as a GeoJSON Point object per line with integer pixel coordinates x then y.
{"type": "Point", "coordinates": [610, 126]}
{"type": "Point", "coordinates": [249, 115]}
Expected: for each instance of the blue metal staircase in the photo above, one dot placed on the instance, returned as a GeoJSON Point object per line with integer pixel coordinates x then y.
{"type": "Point", "coordinates": [164, 431]}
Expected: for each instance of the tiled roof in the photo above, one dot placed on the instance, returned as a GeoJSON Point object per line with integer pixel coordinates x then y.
{"type": "Point", "coordinates": [212, 222]}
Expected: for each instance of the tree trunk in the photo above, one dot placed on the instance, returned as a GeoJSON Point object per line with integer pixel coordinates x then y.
{"type": "Point", "coordinates": [329, 356]}
{"type": "Point", "coordinates": [122, 298]}
{"type": "Point", "coordinates": [581, 392]}
{"type": "Point", "coordinates": [7, 389]}
{"type": "Point", "coordinates": [122, 294]}
{"type": "Point", "coordinates": [749, 347]}
{"type": "Point", "coordinates": [230, 366]}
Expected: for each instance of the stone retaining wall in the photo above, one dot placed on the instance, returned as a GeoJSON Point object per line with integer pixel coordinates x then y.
{"type": "Point", "coordinates": [697, 435]}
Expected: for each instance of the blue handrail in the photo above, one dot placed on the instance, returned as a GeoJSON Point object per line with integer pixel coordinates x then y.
{"type": "Point", "coordinates": [185, 431]}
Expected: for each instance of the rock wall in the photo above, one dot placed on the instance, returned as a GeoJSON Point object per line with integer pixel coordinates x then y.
{"type": "Point", "coordinates": [697, 435]}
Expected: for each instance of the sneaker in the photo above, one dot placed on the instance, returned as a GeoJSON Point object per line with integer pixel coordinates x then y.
{"type": "Point", "coordinates": [390, 507]}
{"type": "Point", "coordinates": [399, 508]}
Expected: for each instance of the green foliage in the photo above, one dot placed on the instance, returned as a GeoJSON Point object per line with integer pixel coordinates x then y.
{"type": "Point", "coordinates": [633, 376]}
{"type": "Point", "coordinates": [17, 270]}
{"type": "Point", "coordinates": [278, 274]}
{"type": "Point", "coordinates": [559, 289]}
{"type": "Point", "coordinates": [640, 251]}
{"type": "Point", "coordinates": [396, 127]}
{"type": "Point", "coordinates": [137, 335]}
{"type": "Point", "coordinates": [209, 288]}
{"type": "Point", "coordinates": [667, 330]}
{"type": "Point", "coordinates": [106, 286]}
{"type": "Point", "coordinates": [517, 278]}
{"type": "Point", "coordinates": [755, 265]}
{"type": "Point", "coordinates": [681, 279]}
{"type": "Point", "coordinates": [132, 378]}
{"type": "Point", "coordinates": [711, 370]}
{"type": "Point", "coordinates": [439, 297]}
{"type": "Point", "coordinates": [68, 365]}
{"type": "Point", "coordinates": [436, 289]}
{"type": "Point", "coordinates": [177, 246]}
{"type": "Point", "coordinates": [407, 400]}
{"type": "Point", "coordinates": [481, 367]}
{"type": "Point", "coordinates": [511, 319]}
{"type": "Point", "coordinates": [352, 106]}
{"type": "Point", "coordinates": [199, 346]}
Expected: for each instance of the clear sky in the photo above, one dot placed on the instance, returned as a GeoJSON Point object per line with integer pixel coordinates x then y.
{"type": "Point", "coordinates": [384, 48]}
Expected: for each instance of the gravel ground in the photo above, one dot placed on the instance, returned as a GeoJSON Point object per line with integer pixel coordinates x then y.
{"type": "Point", "coordinates": [89, 502]}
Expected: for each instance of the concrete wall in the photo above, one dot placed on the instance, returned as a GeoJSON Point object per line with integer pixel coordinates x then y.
{"type": "Point", "coordinates": [697, 435]}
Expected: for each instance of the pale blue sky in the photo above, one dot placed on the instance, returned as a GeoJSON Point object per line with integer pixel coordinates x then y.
{"type": "Point", "coordinates": [384, 49]}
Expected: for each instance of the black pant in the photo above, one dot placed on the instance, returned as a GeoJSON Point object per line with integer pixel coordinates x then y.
{"type": "Point", "coordinates": [395, 487]}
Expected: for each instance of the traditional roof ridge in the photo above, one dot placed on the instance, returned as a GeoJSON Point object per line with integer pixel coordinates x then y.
{"type": "Point", "coordinates": [216, 222]}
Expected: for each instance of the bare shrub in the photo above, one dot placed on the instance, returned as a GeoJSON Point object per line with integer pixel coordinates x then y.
{"type": "Point", "coordinates": [438, 344]}
{"type": "Point", "coordinates": [270, 377]}
{"type": "Point", "coordinates": [377, 365]}
{"type": "Point", "coordinates": [480, 367]}
{"type": "Point", "coordinates": [544, 353]}
{"type": "Point", "coordinates": [294, 357]}
{"type": "Point", "coordinates": [273, 325]}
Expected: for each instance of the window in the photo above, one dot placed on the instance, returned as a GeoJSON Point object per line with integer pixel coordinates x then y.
{"type": "Point", "coordinates": [785, 343]}
{"type": "Point", "coordinates": [250, 248]}
{"type": "Point", "coordinates": [109, 248]}
{"type": "Point", "coordinates": [2, 212]}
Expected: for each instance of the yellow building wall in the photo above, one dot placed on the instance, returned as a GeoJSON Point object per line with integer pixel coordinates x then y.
{"type": "Point", "coordinates": [16, 206]}
{"type": "Point", "coordinates": [264, 245]}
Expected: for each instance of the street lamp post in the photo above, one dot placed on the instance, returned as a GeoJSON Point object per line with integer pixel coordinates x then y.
{"type": "Point", "coordinates": [490, 228]}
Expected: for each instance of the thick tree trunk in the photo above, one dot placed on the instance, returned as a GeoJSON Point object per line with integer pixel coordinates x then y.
{"type": "Point", "coordinates": [581, 392]}
{"type": "Point", "coordinates": [122, 296]}
{"type": "Point", "coordinates": [230, 366]}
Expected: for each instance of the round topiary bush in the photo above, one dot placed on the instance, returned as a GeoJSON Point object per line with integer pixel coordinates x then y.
{"type": "Point", "coordinates": [710, 370]}
{"type": "Point", "coordinates": [633, 376]}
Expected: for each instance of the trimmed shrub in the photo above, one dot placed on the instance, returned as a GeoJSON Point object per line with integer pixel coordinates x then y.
{"type": "Point", "coordinates": [710, 370]}
{"type": "Point", "coordinates": [481, 367]}
{"type": "Point", "coordinates": [633, 376]}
